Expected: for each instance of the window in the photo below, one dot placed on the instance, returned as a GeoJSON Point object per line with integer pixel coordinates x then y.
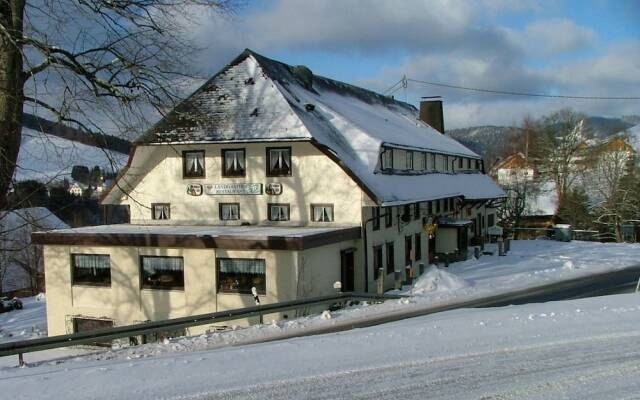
{"type": "Point", "coordinates": [83, 324]}
{"type": "Point", "coordinates": [430, 208]}
{"type": "Point", "coordinates": [416, 211]}
{"type": "Point", "coordinates": [388, 217]}
{"type": "Point", "coordinates": [377, 260]}
{"type": "Point", "coordinates": [229, 211]}
{"type": "Point", "coordinates": [477, 164]}
{"type": "Point", "coordinates": [409, 158]}
{"type": "Point", "coordinates": [406, 213]}
{"type": "Point", "coordinates": [278, 212]}
{"type": "Point", "coordinates": [193, 164]}
{"type": "Point", "coordinates": [460, 163]}
{"type": "Point", "coordinates": [433, 161]}
{"type": "Point", "coordinates": [407, 250]}
{"type": "Point", "coordinates": [322, 212]}
{"type": "Point", "coordinates": [423, 161]}
{"type": "Point", "coordinates": [446, 163]}
{"type": "Point", "coordinates": [159, 272]}
{"type": "Point", "coordinates": [233, 162]}
{"type": "Point", "coordinates": [278, 161]}
{"type": "Point", "coordinates": [468, 163]}
{"type": "Point", "coordinates": [491, 219]}
{"type": "Point", "coordinates": [160, 211]}
{"type": "Point", "coordinates": [91, 269]}
{"type": "Point", "coordinates": [376, 218]}
{"type": "Point", "coordinates": [390, 258]}
{"type": "Point", "coordinates": [239, 275]}
{"type": "Point", "coordinates": [437, 206]}
{"type": "Point", "coordinates": [387, 159]}
{"type": "Point", "coordinates": [418, 251]}
{"type": "Point", "coordinates": [452, 204]}
{"type": "Point", "coordinates": [446, 205]}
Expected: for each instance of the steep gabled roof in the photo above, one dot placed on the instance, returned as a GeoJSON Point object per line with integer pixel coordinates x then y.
{"type": "Point", "coordinates": [255, 98]}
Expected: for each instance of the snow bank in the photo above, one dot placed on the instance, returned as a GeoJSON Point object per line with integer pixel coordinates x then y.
{"type": "Point", "coordinates": [438, 280]}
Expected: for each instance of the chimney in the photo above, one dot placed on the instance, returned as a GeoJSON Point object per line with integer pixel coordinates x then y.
{"type": "Point", "coordinates": [431, 112]}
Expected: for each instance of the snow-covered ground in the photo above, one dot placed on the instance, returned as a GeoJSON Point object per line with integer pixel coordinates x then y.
{"type": "Point", "coordinates": [28, 323]}
{"type": "Point", "coordinates": [47, 157]}
{"type": "Point", "coordinates": [572, 350]}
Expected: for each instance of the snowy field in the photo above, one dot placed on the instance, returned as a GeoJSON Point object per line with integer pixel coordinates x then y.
{"type": "Point", "coordinates": [28, 323]}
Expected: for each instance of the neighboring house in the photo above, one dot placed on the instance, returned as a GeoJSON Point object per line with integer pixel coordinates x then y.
{"type": "Point", "coordinates": [269, 177]}
{"type": "Point", "coordinates": [77, 188]}
{"type": "Point", "coordinates": [21, 266]}
{"type": "Point", "coordinates": [513, 169]}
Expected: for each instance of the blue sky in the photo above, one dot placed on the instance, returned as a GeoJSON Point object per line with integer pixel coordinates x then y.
{"type": "Point", "coordinates": [556, 47]}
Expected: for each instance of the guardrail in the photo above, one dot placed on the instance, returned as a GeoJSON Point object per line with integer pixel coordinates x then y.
{"type": "Point", "coordinates": [125, 331]}
{"type": "Point", "coordinates": [549, 233]}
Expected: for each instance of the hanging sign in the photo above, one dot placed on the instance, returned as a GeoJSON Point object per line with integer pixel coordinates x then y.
{"type": "Point", "coordinates": [194, 189]}
{"type": "Point", "coordinates": [273, 189]}
{"type": "Point", "coordinates": [233, 188]}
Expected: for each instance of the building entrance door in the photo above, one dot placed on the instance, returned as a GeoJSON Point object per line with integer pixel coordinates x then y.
{"type": "Point", "coordinates": [432, 248]}
{"type": "Point", "coordinates": [347, 269]}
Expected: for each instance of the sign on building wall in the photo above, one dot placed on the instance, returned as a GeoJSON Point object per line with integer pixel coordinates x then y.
{"type": "Point", "coordinates": [194, 189]}
{"type": "Point", "coordinates": [233, 188]}
{"type": "Point", "coordinates": [273, 189]}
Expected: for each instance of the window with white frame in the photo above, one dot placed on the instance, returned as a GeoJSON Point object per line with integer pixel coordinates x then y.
{"type": "Point", "coordinates": [278, 161]}
{"type": "Point", "coordinates": [386, 158]}
{"type": "Point", "coordinates": [160, 211]}
{"type": "Point", "coordinates": [432, 156]}
{"type": "Point", "coordinates": [233, 162]}
{"type": "Point", "coordinates": [409, 159]}
{"type": "Point", "coordinates": [423, 161]}
{"type": "Point", "coordinates": [193, 164]}
{"type": "Point", "coordinates": [278, 212]}
{"type": "Point", "coordinates": [239, 275]}
{"type": "Point", "coordinates": [322, 212]}
{"type": "Point", "coordinates": [229, 211]}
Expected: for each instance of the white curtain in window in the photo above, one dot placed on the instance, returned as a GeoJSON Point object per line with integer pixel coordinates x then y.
{"type": "Point", "coordinates": [279, 213]}
{"type": "Point", "coordinates": [90, 261]}
{"type": "Point", "coordinates": [194, 162]}
{"type": "Point", "coordinates": [161, 211]}
{"type": "Point", "coordinates": [279, 158]}
{"type": "Point", "coordinates": [234, 160]}
{"type": "Point", "coordinates": [230, 211]}
{"type": "Point", "coordinates": [242, 266]}
{"type": "Point", "coordinates": [153, 264]}
{"type": "Point", "coordinates": [323, 213]}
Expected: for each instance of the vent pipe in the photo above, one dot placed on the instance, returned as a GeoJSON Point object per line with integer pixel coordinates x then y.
{"type": "Point", "coordinates": [431, 112]}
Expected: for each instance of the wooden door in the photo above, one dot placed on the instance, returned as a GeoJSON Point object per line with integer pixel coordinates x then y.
{"type": "Point", "coordinates": [347, 268]}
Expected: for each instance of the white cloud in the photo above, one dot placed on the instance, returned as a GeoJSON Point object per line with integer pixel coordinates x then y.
{"type": "Point", "coordinates": [552, 36]}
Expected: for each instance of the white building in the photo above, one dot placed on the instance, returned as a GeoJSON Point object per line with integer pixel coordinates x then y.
{"type": "Point", "coordinates": [270, 177]}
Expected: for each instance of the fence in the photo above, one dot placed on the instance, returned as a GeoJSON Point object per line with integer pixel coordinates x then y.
{"type": "Point", "coordinates": [550, 233]}
{"type": "Point", "coordinates": [127, 331]}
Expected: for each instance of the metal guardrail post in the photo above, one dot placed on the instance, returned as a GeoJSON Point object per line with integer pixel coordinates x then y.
{"type": "Point", "coordinates": [398, 279]}
{"type": "Point", "coordinates": [380, 281]}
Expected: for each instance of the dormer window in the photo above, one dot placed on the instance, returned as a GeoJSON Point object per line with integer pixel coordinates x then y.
{"type": "Point", "coordinates": [423, 161]}
{"type": "Point", "coordinates": [233, 162]}
{"type": "Point", "coordinates": [433, 162]}
{"type": "Point", "coordinates": [386, 159]}
{"type": "Point", "coordinates": [279, 161]}
{"type": "Point", "coordinates": [193, 164]}
{"type": "Point", "coordinates": [409, 159]}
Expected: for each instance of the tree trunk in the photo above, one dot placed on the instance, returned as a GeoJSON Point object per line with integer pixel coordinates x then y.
{"type": "Point", "coordinates": [11, 92]}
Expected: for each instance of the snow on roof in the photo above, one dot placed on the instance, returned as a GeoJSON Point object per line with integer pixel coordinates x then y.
{"type": "Point", "coordinates": [45, 157]}
{"type": "Point", "coordinates": [256, 98]}
{"type": "Point", "coordinates": [246, 232]}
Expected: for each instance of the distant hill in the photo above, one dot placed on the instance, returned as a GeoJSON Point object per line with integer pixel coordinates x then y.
{"type": "Point", "coordinates": [494, 141]}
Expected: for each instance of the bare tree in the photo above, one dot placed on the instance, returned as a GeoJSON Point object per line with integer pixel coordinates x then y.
{"type": "Point", "coordinates": [90, 63]}
{"type": "Point", "coordinates": [561, 147]}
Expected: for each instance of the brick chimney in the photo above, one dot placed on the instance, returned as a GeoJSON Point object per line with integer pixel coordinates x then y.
{"type": "Point", "coordinates": [431, 113]}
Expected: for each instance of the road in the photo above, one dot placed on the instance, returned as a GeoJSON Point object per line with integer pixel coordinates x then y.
{"type": "Point", "coordinates": [543, 372]}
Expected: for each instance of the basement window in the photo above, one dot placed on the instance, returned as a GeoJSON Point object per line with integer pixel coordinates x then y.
{"type": "Point", "coordinates": [233, 162]}
{"type": "Point", "coordinates": [159, 272]}
{"type": "Point", "coordinates": [193, 164]}
{"type": "Point", "coordinates": [322, 212]}
{"type": "Point", "coordinates": [91, 269]}
{"type": "Point", "coordinates": [239, 275]}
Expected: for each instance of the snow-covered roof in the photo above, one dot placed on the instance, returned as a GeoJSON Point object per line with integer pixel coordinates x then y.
{"type": "Point", "coordinates": [255, 98]}
{"type": "Point", "coordinates": [245, 232]}
{"type": "Point", "coordinates": [33, 219]}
